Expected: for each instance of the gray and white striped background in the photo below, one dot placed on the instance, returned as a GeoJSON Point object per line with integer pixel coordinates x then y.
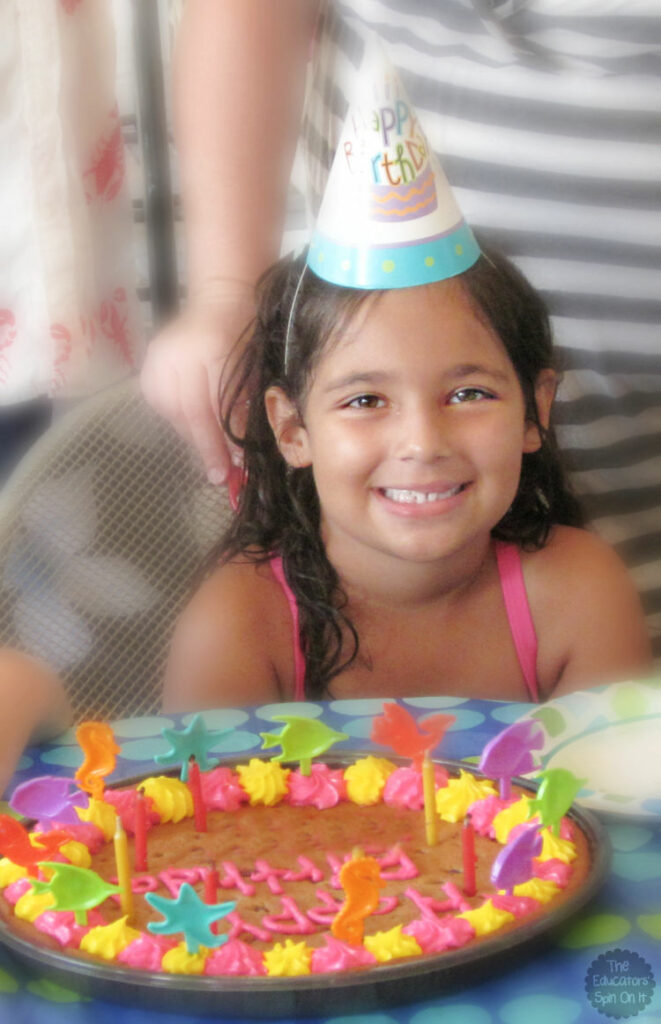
{"type": "Point", "coordinates": [547, 117]}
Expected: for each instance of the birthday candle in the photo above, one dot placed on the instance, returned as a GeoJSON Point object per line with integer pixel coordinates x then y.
{"type": "Point", "coordinates": [140, 830]}
{"type": "Point", "coordinates": [123, 868]}
{"type": "Point", "coordinates": [468, 852]}
{"type": "Point", "coordinates": [198, 801]}
{"type": "Point", "coordinates": [211, 883]}
{"type": "Point", "coordinates": [429, 792]}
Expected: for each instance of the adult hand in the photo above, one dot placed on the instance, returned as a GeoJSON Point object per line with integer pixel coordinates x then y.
{"type": "Point", "coordinates": [182, 371]}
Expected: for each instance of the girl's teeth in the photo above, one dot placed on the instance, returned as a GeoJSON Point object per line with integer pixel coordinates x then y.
{"type": "Point", "coordinates": [419, 497]}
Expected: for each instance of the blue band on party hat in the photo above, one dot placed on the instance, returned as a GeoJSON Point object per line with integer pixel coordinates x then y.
{"type": "Point", "coordinates": [398, 266]}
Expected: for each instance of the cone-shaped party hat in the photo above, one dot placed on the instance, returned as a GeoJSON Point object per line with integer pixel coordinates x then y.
{"type": "Point", "coordinates": [388, 218]}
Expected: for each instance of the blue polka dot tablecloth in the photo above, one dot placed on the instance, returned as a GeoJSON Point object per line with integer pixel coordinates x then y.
{"type": "Point", "coordinates": [605, 964]}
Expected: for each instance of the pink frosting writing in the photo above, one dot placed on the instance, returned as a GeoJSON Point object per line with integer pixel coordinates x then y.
{"type": "Point", "coordinates": [233, 879]}
{"type": "Point", "coordinates": [239, 927]}
{"type": "Point", "coordinates": [309, 872]}
{"type": "Point", "coordinates": [326, 910]}
{"type": "Point", "coordinates": [429, 907]}
{"type": "Point", "coordinates": [290, 921]}
{"type": "Point", "coordinates": [146, 953]}
{"type": "Point", "coordinates": [403, 787]}
{"type": "Point", "coordinates": [482, 813]}
{"type": "Point", "coordinates": [61, 925]}
{"type": "Point", "coordinates": [265, 873]}
{"type": "Point", "coordinates": [323, 788]}
{"type": "Point", "coordinates": [340, 956]}
{"type": "Point", "coordinates": [402, 866]}
{"type": "Point", "coordinates": [552, 870]}
{"type": "Point", "coordinates": [124, 801]}
{"type": "Point", "coordinates": [520, 906]}
{"type": "Point", "coordinates": [174, 878]}
{"type": "Point", "coordinates": [221, 790]}
{"type": "Point", "coordinates": [437, 936]}
{"type": "Point", "coordinates": [237, 958]}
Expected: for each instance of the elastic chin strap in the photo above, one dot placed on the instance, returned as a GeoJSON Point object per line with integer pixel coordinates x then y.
{"type": "Point", "coordinates": [290, 319]}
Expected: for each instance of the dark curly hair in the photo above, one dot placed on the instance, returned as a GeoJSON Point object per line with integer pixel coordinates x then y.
{"type": "Point", "coordinates": [279, 509]}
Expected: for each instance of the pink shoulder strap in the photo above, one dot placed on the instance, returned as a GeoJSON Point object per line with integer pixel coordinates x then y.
{"type": "Point", "coordinates": [299, 660]}
{"type": "Point", "coordinates": [518, 612]}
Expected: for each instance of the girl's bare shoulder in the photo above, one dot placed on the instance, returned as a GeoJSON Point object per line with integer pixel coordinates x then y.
{"type": "Point", "coordinates": [586, 610]}
{"type": "Point", "coordinates": [233, 640]}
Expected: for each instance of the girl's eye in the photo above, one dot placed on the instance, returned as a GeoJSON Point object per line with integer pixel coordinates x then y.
{"type": "Point", "coordinates": [472, 394]}
{"type": "Point", "coordinates": [365, 402]}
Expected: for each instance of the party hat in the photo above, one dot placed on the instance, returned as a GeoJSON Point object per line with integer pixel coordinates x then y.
{"type": "Point", "coordinates": [388, 218]}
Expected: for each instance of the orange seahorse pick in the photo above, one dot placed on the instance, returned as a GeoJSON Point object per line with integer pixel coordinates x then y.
{"type": "Point", "coordinates": [361, 880]}
{"type": "Point", "coordinates": [97, 742]}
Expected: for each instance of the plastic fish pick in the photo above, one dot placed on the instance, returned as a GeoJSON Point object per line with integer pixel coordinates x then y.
{"type": "Point", "coordinates": [398, 729]}
{"type": "Point", "coordinates": [513, 865]}
{"type": "Point", "coordinates": [193, 741]}
{"type": "Point", "coordinates": [510, 753]}
{"type": "Point", "coordinates": [555, 795]}
{"type": "Point", "coordinates": [15, 844]}
{"type": "Point", "coordinates": [190, 915]}
{"type": "Point", "coordinates": [301, 740]}
{"type": "Point", "coordinates": [48, 797]}
{"type": "Point", "coordinates": [77, 889]}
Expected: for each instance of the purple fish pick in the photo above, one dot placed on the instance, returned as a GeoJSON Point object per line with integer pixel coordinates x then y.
{"type": "Point", "coordinates": [513, 865]}
{"type": "Point", "coordinates": [510, 753]}
{"type": "Point", "coordinates": [48, 797]}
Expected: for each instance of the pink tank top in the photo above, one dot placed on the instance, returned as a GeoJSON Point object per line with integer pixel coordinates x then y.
{"type": "Point", "coordinates": [520, 621]}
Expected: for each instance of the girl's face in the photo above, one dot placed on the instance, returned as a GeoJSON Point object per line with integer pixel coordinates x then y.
{"type": "Point", "coordinates": [414, 426]}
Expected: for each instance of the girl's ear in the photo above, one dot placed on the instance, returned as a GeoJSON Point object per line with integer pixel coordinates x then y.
{"type": "Point", "coordinates": [545, 388]}
{"type": "Point", "coordinates": [289, 431]}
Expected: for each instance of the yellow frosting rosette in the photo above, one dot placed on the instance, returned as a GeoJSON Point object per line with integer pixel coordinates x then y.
{"type": "Point", "coordinates": [265, 782]}
{"type": "Point", "coordinates": [366, 779]}
{"type": "Point", "coordinates": [173, 800]}
{"type": "Point", "coordinates": [453, 800]}
{"type": "Point", "coordinates": [392, 945]}
{"type": "Point", "coordinates": [289, 960]}
{"type": "Point", "coordinates": [108, 940]}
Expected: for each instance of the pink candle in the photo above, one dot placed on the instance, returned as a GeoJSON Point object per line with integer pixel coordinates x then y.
{"type": "Point", "coordinates": [140, 833]}
{"type": "Point", "coordinates": [196, 789]}
{"type": "Point", "coordinates": [468, 852]}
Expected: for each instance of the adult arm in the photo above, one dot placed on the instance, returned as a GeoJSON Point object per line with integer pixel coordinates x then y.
{"type": "Point", "coordinates": [239, 77]}
{"type": "Point", "coordinates": [33, 704]}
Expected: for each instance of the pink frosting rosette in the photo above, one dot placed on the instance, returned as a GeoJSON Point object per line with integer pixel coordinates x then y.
{"type": "Point", "coordinates": [323, 788]}
{"type": "Point", "coordinates": [124, 801]}
{"type": "Point", "coordinates": [403, 787]}
{"type": "Point", "coordinates": [221, 790]}
{"type": "Point", "coordinates": [17, 889]}
{"type": "Point", "coordinates": [86, 832]}
{"type": "Point", "coordinates": [61, 925]}
{"type": "Point", "coordinates": [340, 956]}
{"type": "Point", "coordinates": [519, 906]}
{"type": "Point", "coordinates": [237, 958]}
{"type": "Point", "coordinates": [146, 953]}
{"type": "Point", "coordinates": [437, 936]}
{"type": "Point", "coordinates": [483, 812]}
{"type": "Point", "coordinates": [553, 870]}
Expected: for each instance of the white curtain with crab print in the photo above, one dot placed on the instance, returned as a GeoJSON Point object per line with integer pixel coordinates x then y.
{"type": "Point", "coordinates": [68, 321]}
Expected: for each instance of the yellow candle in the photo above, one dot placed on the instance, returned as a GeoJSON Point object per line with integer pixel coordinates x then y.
{"type": "Point", "coordinates": [123, 868]}
{"type": "Point", "coordinates": [429, 792]}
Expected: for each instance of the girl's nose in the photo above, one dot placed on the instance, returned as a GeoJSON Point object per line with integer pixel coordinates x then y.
{"type": "Point", "coordinates": [421, 435]}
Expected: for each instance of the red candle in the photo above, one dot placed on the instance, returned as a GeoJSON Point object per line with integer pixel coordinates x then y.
{"type": "Point", "coordinates": [140, 833]}
{"type": "Point", "coordinates": [211, 884]}
{"type": "Point", "coordinates": [196, 789]}
{"type": "Point", "coordinates": [468, 851]}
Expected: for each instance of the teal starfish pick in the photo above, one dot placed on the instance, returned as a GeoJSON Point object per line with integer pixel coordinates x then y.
{"type": "Point", "coordinates": [193, 741]}
{"type": "Point", "coordinates": [190, 915]}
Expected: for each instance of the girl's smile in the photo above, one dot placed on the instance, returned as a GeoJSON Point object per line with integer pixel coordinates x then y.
{"type": "Point", "coordinates": [414, 425]}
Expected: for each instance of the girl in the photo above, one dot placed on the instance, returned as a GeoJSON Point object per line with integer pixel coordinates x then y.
{"type": "Point", "coordinates": [405, 525]}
